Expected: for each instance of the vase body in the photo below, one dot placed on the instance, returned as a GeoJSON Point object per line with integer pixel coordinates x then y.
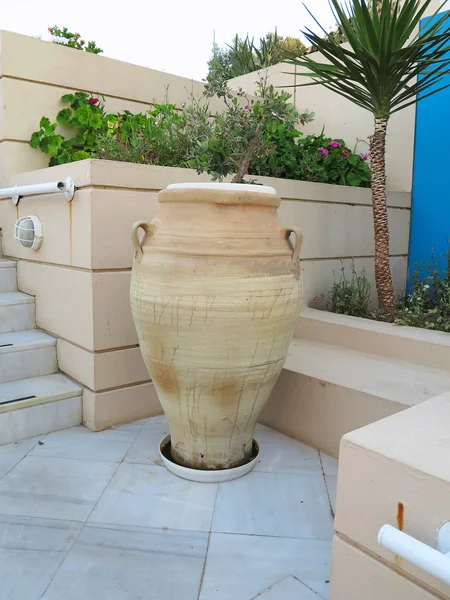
{"type": "Point", "coordinates": [215, 294]}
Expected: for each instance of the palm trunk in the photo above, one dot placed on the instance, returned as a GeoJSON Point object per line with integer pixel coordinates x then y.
{"type": "Point", "coordinates": [383, 275]}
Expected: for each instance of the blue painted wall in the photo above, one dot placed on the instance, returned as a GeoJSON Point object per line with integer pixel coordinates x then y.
{"type": "Point", "coordinates": [430, 215]}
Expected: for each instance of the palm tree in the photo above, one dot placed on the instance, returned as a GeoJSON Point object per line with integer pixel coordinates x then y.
{"type": "Point", "coordinates": [385, 67]}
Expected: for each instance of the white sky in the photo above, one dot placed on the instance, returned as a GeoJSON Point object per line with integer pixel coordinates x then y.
{"type": "Point", "coordinates": [175, 36]}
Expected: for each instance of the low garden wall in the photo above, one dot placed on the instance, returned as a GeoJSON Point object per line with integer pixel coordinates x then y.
{"type": "Point", "coordinates": [393, 472]}
{"type": "Point", "coordinates": [81, 274]}
{"type": "Point", "coordinates": [343, 373]}
{"type": "Point", "coordinates": [35, 74]}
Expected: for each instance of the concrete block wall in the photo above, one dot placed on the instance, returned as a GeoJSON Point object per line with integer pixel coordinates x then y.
{"type": "Point", "coordinates": [81, 274]}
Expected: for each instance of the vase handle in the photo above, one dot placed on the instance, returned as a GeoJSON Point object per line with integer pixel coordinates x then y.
{"type": "Point", "coordinates": [298, 240]}
{"type": "Point", "coordinates": [148, 229]}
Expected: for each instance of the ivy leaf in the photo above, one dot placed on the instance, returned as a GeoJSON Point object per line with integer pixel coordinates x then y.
{"type": "Point", "coordinates": [35, 139]}
{"type": "Point", "coordinates": [81, 116]}
{"type": "Point", "coordinates": [64, 116]}
{"type": "Point", "coordinates": [63, 158]}
{"type": "Point", "coordinates": [44, 122]}
{"type": "Point", "coordinates": [95, 121]}
{"type": "Point", "coordinates": [354, 180]}
{"type": "Point", "coordinates": [54, 144]}
{"type": "Point", "coordinates": [81, 155]}
{"type": "Point", "coordinates": [67, 98]}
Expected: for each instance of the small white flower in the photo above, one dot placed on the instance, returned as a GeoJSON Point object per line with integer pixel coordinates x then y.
{"type": "Point", "coordinates": [426, 287]}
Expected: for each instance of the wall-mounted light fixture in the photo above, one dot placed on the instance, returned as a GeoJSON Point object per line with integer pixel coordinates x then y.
{"type": "Point", "coordinates": [28, 232]}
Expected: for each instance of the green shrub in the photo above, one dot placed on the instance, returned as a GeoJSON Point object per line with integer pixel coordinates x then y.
{"type": "Point", "coordinates": [86, 117]}
{"type": "Point", "coordinates": [350, 296]}
{"type": "Point", "coordinates": [427, 305]}
{"type": "Point", "coordinates": [257, 136]}
{"type": "Point", "coordinates": [245, 56]}
{"type": "Point", "coordinates": [64, 37]}
{"type": "Point", "coordinates": [286, 153]}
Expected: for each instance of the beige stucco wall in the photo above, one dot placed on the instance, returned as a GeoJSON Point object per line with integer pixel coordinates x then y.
{"type": "Point", "coordinates": [35, 74]}
{"type": "Point", "coordinates": [401, 459]}
{"type": "Point", "coordinates": [81, 274]}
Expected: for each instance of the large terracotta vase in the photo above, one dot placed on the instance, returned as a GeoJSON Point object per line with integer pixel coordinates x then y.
{"type": "Point", "coordinates": [215, 294]}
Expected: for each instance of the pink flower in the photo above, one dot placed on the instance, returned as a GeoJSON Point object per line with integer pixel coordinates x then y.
{"type": "Point", "coordinates": [93, 100]}
{"type": "Point", "coordinates": [345, 153]}
{"type": "Point", "coordinates": [246, 107]}
{"type": "Point", "coordinates": [364, 156]}
{"type": "Point", "coordinates": [334, 144]}
{"type": "Point", "coordinates": [323, 151]}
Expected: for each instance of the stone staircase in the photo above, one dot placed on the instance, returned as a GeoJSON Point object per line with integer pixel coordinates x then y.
{"type": "Point", "coordinates": [34, 398]}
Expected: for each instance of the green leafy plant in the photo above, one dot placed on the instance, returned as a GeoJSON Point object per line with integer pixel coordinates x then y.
{"type": "Point", "coordinates": [257, 136]}
{"type": "Point", "coordinates": [85, 115]}
{"type": "Point", "coordinates": [237, 132]}
{"type": "Point", "coordinates": [245, 55]}
{"type": "Point", "coordinates": [384, 68]}
{"type": "Point", "coordinates": [427, 305]}
{"type": "Point", "coordinates": [73, 40]}
{"type": "Point", "coordinates": [286, 153]}
{"type": "Point", "coordinates": [160, 136]}
{"type": "Point", "coordinates": [350, 295]}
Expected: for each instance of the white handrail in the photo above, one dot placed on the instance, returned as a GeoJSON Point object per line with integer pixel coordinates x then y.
{"type": "Point", "coordinates": [66, 187]}
{"type": "Point", "coordinates": [417, 553]}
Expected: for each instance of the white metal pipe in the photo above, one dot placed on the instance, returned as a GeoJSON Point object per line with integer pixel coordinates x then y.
{"type": "Point", "coordinates": [66, 187]}
{"type": "Point", "coordinates": [417, 553]}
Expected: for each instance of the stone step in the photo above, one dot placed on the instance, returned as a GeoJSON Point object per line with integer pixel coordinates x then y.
{"type": "Point", "coordinates": [325, 391]}
{"type": "Point", "coordinates": [410, 344]}
{"type": "Point", "coordinates": [17, 312]}
{"type": "Point", "coordinates": [396, 381]}
{"type": "Point", "coordinates": [38, 405]}
{"type": "Point", "coordinates": [8, 275]}
{"type": "Point", "coordinates": [25, 354]}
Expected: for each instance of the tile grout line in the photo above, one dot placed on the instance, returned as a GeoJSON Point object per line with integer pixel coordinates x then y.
{"type": "Point", "coordinates": [24, 456]}
{"type": "Point", "coordinates": [87, 518]}
{"type": "Point", "coordinates": [207, 545]}
{"type": "Point", "coordinates": [81, 529]}
{"type": "Point", "coordinates": [271, 586]}
{"type": "Point", "coordinates": [62, 560]}
{"type": "Point", "coordinates": [326, 486]}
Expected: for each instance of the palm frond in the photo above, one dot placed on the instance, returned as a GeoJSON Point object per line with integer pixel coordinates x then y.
{"type": "Point", "coordinates": [385, 66]}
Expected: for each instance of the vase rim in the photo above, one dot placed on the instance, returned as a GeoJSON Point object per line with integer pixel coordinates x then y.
{"type": "Point", "coordinates": [232, 187]}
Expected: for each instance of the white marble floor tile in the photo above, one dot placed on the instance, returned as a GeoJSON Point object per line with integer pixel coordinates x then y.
{"type": "Point", "coordinates": [329, 464]}
{"type": "Point", "coordinates": [80, 442]}
{"type": "Point", "coordinates": [54, 488]}
{"type": "Point", "coordinates": [145, 449]}
{"type": "Point", "coordinates": [240, 567]}
{"type": "Point", "coordinates": [8, 462]}
{"type": "Point", "coordinates": [331, 482]}
{"type": "Point", "coordinates": [31, 550]}
{"type": "Point", "coordinates": [150, 496]}
{"type": "Point", "coordinates": [22, 447]}
{"type": "Point", "coordinates": [274, 504]}
{"type": "Point", "coordinates": [112, 563]}
{"type": "Point", "coordinates": [289, 588]}
{"type": "Point", "coordinates": [280, 454]}
{"type": "Point", "coordinates": [135, 425]}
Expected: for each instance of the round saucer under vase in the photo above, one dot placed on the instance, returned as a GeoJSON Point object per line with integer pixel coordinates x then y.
{"type": "Point", "coordinates": [203, 476]}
